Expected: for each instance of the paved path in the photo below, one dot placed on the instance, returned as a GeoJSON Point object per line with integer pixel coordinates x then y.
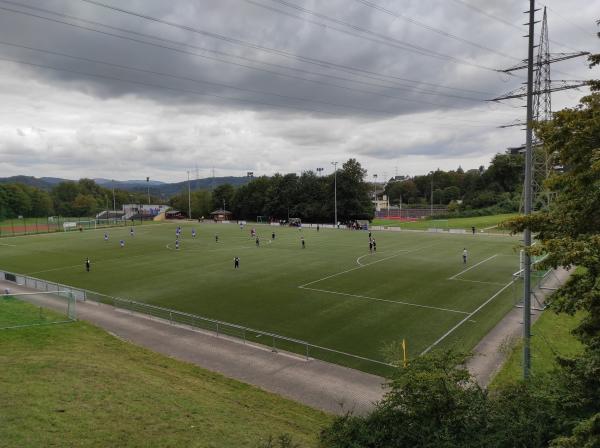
{"type": "Point", "coordinates": [488, 355]}
{"type": "Point", "coordinates": [318, 384]}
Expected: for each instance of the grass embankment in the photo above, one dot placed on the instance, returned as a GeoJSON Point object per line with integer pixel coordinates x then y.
{"type": "Point", "coordinates": [551, 337]}
{"type": "Point", "coordinates": [14, 313]}
{"type": "Point", "coordinates": [75, 385]}
{"type": "Point", "coordinates": [487, 223]}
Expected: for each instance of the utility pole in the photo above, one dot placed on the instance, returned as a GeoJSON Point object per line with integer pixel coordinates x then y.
{"type": "Point", "coordinates": [148, 185]}
{"type": "Point", "coordinates": [528, 198]}
{"type": "Point", "coordinates": [189, 197]}
{"type": "Point", "coordinates": [114, 202]}
{"type": "Point", "coordinates": [431, 207]}
{"type": "Point", "coordinates": [335, 193]}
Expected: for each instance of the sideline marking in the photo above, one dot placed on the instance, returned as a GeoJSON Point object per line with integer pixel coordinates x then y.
{"type": "Point", "coordinates": [398, 302]}
{"type": "Point", "coordinates": [445, 335]}
{"type": "Point", "coordinates": [9, 245]}
{"type": "Point", "coordinates": [474, 266]}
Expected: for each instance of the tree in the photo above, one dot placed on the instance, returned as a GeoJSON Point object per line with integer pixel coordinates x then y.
{"type": "Point", "coordinates": [222, 196]}
{"type": "Point", "coordinates": [353, 192]}
{"type": "Point", "coordinates": [569, 232]}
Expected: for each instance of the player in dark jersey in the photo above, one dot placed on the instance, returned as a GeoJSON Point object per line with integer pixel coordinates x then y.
{"type": "Point", "coordinates": [257, 242]}
{"type": "Point", "coordinates": [303, 242]}
{"type": "Point", "coordinates": [236, 263]}
{"type": "Point", "coordinates": [374, 245]}
{"type": "Point", "coordinates": [273, 236]}
{"type": "Point", "coordinates": [370, 245]}
{"type": "Point", "coordinates": [87, 265]}
{"type": "Point", "coordinates": [216, 237]}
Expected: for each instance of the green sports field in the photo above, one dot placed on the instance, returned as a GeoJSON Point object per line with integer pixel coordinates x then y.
{"type": "Point", "coordinates": [333, 293]}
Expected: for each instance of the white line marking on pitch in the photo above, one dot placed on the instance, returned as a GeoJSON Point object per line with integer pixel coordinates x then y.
{"type": "Point", "coordinates": [474, 266]}
{"type": "Point", "coordinates": [445, 335]}
{"type": "Point", "coordinates": [9, 245]}
{"type": "Point", "coordinates": [398, 302]}
{"type": "Point", "coordinates": [477, 281]}
{"type": "Point", "coordinates": [402, 252]}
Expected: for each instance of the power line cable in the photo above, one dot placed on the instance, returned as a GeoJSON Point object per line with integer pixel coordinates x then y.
{"type": "Point", "coordinates": [325, 64]}
{"type": "Point", "coordinates": [431, 28]}
{"type": "Point", "coordinates": [404, 87]}
{"type": "Point", "coordinates": [381, 38]}
{"type": "Point", "coordinates": [176, 89]}
{"type": "Point", "coordinates": [185, 78]}
{"type": "Point", "coordinates": [505, 22]}
{"type": "Point", "coordinates": [232, 40]}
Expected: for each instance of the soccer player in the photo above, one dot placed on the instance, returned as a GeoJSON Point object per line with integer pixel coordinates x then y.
{"type": "Point", "coordinates": [131, 232]}
{"type": "Point", "coordinates": [87, 265]}
{"type": "Point", "coordinates": [370, 245]}
{"type": "Point", "coordinates": [216, 237]}
{"type": "Point", "coordinates": [105, 236]}
{"type": "Point", "coordinates": [473, 229]}
{"type": "Point", "coordinates": [369, 234]}
{"type": "Point", "coordinates": [236, 263]}
{"type": "Point", "coordinates": [257, 242]}
{"type": "Point", "coordinates": [303, 242]}
{"type": "Point", "coordinates": [176, 244]}
{"type": "Point", "coordinates": [374, 245]}
{"type": "Point", "coordinates": [317, 227]}
{"type": "Point", "coordinates": [465, 256]}
{"type": "Point", "coordinates": [193, 233]}
{"type": "Point", "coordinates": [122, 243]}
{"type": "Point", "coordinates": [273, 236]}
{"type": "Point", "coordinates": [241, 227]}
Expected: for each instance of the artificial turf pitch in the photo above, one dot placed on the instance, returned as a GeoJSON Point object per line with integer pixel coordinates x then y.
{"type": "Point", "coordinates": [333, 293]}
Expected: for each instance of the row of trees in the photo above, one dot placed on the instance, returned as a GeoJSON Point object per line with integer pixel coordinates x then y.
{"type": "Point", "coordinates": [309, 197]}
{"type": "Point", "coordinates": [498, 185]}
{"type": "Point", "coordinates": [82, 198]}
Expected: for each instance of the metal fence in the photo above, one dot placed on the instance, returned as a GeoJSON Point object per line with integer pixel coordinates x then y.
{"type": "Point", "coordinates": [218, 328]}
{"type": "Point", "coordinates": [51, 224]}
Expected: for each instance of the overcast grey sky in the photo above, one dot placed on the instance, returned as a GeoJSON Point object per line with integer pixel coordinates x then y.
{"type": "Point", "coordinates": [267, 85]}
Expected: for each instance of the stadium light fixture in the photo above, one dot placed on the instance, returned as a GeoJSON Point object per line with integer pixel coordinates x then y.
{"type": "Point", "coordinates": [335, 192]}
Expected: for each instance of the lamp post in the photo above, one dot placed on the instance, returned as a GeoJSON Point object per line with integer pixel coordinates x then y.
{"type": "Point", "coordinates": [335, 193]}
{"type": "Point", "coordinates": [189, 197]}
{"type": "Point", "coordinates": [114, 202]}
{"type": "Point", "coordinates": [148, 185]}
{"type": "Point", "coordinates": [319, 171]}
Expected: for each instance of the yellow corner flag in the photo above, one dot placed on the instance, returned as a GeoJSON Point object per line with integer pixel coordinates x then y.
{"type": "Point", "coordinates": [404, 351]}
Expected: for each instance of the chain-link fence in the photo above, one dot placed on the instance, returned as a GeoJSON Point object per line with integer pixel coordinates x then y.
{"type": "Point", "coordinates": [218, 328]}
{"type": "Point", "coordinates": [30, 226]}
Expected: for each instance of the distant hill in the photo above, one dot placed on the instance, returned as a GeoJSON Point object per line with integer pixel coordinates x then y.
{"type": "Point", "coordinates": [157, 188]}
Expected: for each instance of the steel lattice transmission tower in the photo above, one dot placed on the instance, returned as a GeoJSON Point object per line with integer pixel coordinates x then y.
{"type": "Point", "coordinates": [542, 111]}
{"type": "Point", "coordinates": [543, 86]}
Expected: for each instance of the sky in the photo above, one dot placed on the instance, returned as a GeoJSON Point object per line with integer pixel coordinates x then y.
{"type": "Point", "coordinates": [137, 88]}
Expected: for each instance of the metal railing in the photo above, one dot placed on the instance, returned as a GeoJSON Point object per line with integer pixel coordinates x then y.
{"type": "Point", "coordinates": [274, 342]}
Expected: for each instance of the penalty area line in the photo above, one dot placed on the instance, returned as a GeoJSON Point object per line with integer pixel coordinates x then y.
{"type": "Point", "coordinates": [472, 267]}
{"type": "Point", "coordinates": [402, 252]}
{"type": "Point", "coordinates": [398, 302]}
{"type": "Point", "coordinates": [468, 317]}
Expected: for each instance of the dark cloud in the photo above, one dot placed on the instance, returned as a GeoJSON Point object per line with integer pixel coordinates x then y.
{"type": "Point", "coordinates": [280, 103]}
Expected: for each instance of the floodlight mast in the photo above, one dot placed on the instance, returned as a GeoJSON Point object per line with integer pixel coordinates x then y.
{"type": "Point", "coordinates": [189, 197]}
{"type": "Point", "coordinates": [335, 193]}
{"type": "Point", "coordinates": [528, 197]}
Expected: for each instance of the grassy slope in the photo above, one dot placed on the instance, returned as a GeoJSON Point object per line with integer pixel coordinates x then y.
{"type": "Point", "coordinates": [13, 312]}
{"type": "Point", "coordinates": [480, 222]}
{"type": "Point", "coordinates": [75, 385]}
{"type": "Point", "coordinates": [264, 294]}
{"type": "Point", "coordinates": [551, 336]}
